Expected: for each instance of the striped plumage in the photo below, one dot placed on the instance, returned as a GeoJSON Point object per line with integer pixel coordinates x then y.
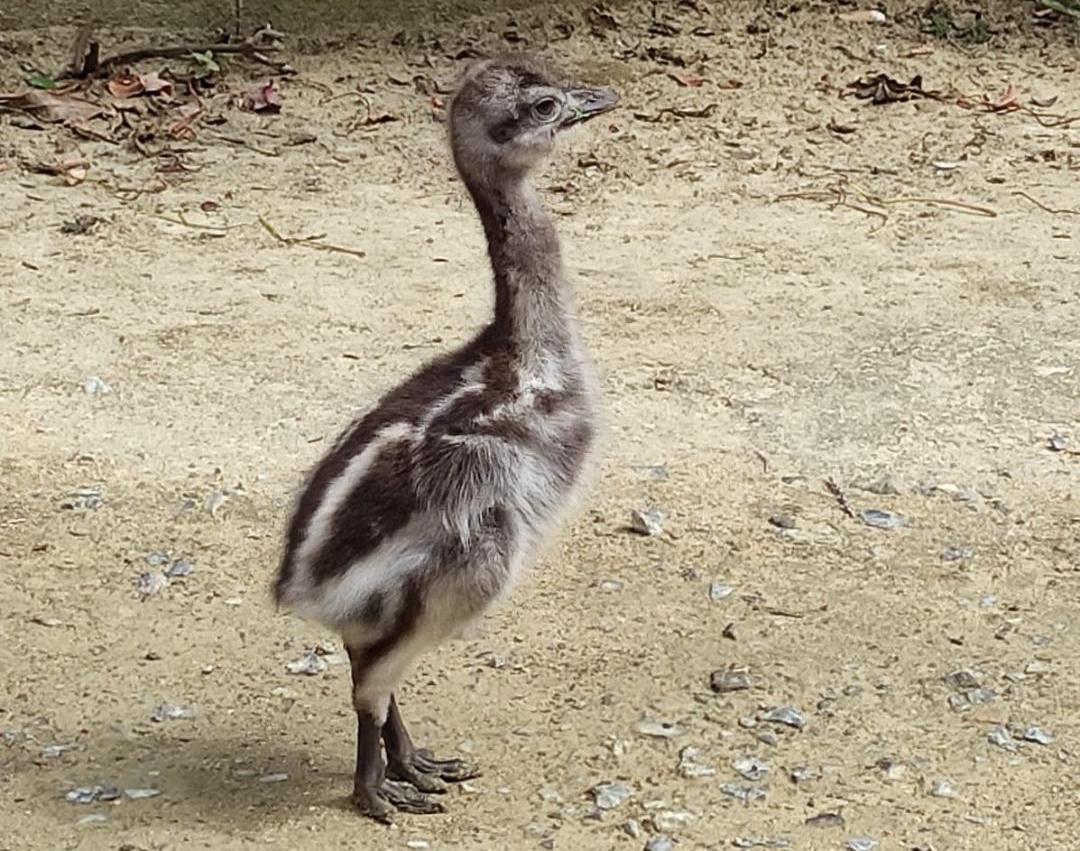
{"type": "Point", "coordinates": [428, 506]}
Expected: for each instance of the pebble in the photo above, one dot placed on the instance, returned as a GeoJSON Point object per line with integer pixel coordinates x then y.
{"type": "Point", "coordinates": [803, 774]}
{"type": "Point", "coordinates": [943, 789]}
{"type": "Point", "coordinates": [95, 386]}
{"type": "Point", "coordinates": [690, 767]}
{"type": "Point", "coordinates": [826, 820]}
{"type": "Point", "coordinates": [138, 794]}
{"type": "Point", "coordinates": [54, 751]}
{"type": "Point", "coordinates": [179, 569]}
{"type": "Point", "coordinates": [789, 716]}
{"type": "Point", "coordinates": [725, 682]}
{"type": "Point", "coordinates": [92, 794]}
{"type": "Point", "coordinates": [550, 795]}
{"type": "Point", "coordinates": [957, 554]}
{"type": "Point", "coordinates": [669, 821]}
{"type": "Point", "coordinates": [1058, 442]}
{"type": "Point", "coordinates": [608, 796]}
{"type": "Point", "coordinates": [746, 794]}
{"type": "Point", "coordinates": [658, 729]}
{"type": "Point", "coordinates": [718, 591]}
{"type": "Point", "coordinates": [751, 768]}
{"type": "Point", "coordinates": [632, 828]}
{"type": "Point", "coordinates": [1036, 735]}
{"type": "Point", "coordinates": [310, 664]}
{"type": "Point", "coordinates": [150, 584]}
{"type": "Point", "coordinates": [170, 712]}
{"type": "Point", "coordinates": [1002, 738]}
{"type": "Point", "coordinates": [279, 777]}
{"type": "Point", "coordinates": [881, 519]}
{"type": "Point", "coordinates": [83, 499]}
{"type": "Point", "coordinates": [649, 522]}
{"type": "Point", "coordinates": [660, 843]}
{"type": "Point", "coordinates": [418, 844]}
{"type": "Point", "coordinates": [862, 843]}
{"type": "Point", "coordinates": [760, 842]}
{"type": "Point", "coordinates": [611, 586]}
{"type": "Point", "coordinates": [92, 819]}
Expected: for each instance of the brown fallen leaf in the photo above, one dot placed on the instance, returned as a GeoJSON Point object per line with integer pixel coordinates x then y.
{"type": "Point", "coordinates": [155, 84]}
{"type": "Point", "coordinates": [686, 78]}
{"type": "Point", "coordinates": [125, 86]}
{"type": "Point", "coordinates": [48, 106]}
{"type": "Point", "coordinates": [1007, 102]}
{"type": "Point", "coordinates": [263, 98]}
{"type": "Point", "coordinates": [882, 88]}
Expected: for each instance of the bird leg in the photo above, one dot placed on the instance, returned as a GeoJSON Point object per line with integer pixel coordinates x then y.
{"type": "Point", "coordinates": [375, 795]}
{"type": "Point", "coordinates": [418, 766]}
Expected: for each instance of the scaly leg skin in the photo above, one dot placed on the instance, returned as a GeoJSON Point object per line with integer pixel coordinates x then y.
{"type": "Point", "coordinates": [418, 767]}
{"type": "Point", "coordinates": [373, 794]}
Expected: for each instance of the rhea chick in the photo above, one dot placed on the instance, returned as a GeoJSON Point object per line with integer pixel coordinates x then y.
{"type": "Point", "coordinates": [430, 505]}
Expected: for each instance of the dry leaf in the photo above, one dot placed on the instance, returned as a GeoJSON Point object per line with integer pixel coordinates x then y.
{"type": "Point", "coordinates": [49, 106]}
{"type": "Point", "coordinates": [685, 78]}
{"type": "Point", "coordinates": [125, 86]}
{"type": "Point", "coordinates": [154, 84]}
{"type": "Point", "coordinates": [1008, 101]}
{"type": "Point", "coordinates": [263, 98]}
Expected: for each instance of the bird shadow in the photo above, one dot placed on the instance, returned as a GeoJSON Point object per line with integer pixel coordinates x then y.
{"type": "Point", "coordinates": [230, 783]}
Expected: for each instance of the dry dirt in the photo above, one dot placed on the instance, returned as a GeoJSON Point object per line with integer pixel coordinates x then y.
{"type": "Point", "coordinates": [751, 347]}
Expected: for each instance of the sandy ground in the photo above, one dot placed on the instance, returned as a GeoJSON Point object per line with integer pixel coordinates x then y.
{"type": "Point", "coordinates": [751, 346]}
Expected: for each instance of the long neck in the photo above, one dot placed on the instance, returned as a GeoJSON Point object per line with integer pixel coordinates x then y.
{"type": "Point", "coordinates": [532, 298]}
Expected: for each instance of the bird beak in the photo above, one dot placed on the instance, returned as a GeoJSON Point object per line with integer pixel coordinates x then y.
{"type": "Point", "coordinates": [583, 104]}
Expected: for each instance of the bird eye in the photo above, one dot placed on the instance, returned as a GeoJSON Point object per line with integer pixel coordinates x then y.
{"type": "Point", "coordinates": [546, 109]}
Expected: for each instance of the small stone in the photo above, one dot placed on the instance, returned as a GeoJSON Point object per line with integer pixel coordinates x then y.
{"type": "Point", "coordinates": [725, 682]}
{"type": "Point", "coordinates": [943, 789]}
{"type": "Point", "coordinates": [957, 554]}
{"type": "Point", "coordinates": [170, 712]}
{"type": "Point", "coordinates": [658, 729]}
{"type": "Point", "coordinates": [608, 796]}
{"type": "Point", "coordinates": [862, 843]}
{"type": "Point", "coordinates": [418, 844]}
{"type": "Point", "coordinates": [92, 794]}
{"type": "Point", "coordinates": [54, 751]}
{"type": "Point", "coordinates": [965, 678]}
{"type": "Point", "coordinates": [1036, 735]}
{"type": "Point", "coordinates": [767, 738]}
{"type": "Point", "coordinates": [179, 569]}
{"type": "Point", "coordinates": [1037, 667]}
{"type": "Point", "coordinates": [891, 770]}
{"type": "Point", "coordinates": [746, 794]}
{"type": "Point", "coordinates": [760, 842]}
{"type": "Point", "coordinates": [150, 584]}
{"type": "Point", "coordinates": [548, 843]}
{"type": "Point", "coordinates": [751, 768]}
{"type": "Point", "coordinates": [157, 558]}
{"type": "Point", "coordinates": [632, 828]}
{"type": "Point", "coordinates": [649, 522]}
{"type": "Point", "coordinates": [1002, 738]}
{"type": "Point", "coordinates": [92, 819]}
{"type": "Point", "coordinates": [789, 716]}
{"type": "Point", "coordinates": [94, 386]}
{"type": "Point", "coordinates": [310, 664]}
{"type": "Point", "coordinates": [668, 821]}
{"type": "Point", "coordinates": [826, 820]}
{"type": "Point", "coordinates": [660, 843]}
{"type": "Point", "coordinates": [550, 795]}
{"type": "Point", "coordinates": [881, 519]}
{"type": "Point", "coordinates": [803, 774]}
{"type": "Point", "coordinates": [138, 794]}
{"type": "Point", "coordinates": [610, 586]}
{"type": "Point", "coordinates": [782, 521]}
{"type": "Point", "coordinates": [83, 499]}
{"type": "Point", "coordinates": [279, 777]}
{"type": "Point", "coordinates": [690, 767]}
{"type": "Point", "coordinates": [42, 620]}
{"type": "Point", "coordinates": [718, 591]}
{"type": "Point", "coordinates": [1058, 442]}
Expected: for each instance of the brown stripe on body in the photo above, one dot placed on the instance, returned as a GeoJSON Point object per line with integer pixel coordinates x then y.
{"type": "Point", "coordinates": [407, 403]}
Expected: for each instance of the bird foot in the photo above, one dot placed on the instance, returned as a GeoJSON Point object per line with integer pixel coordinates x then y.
{"type": "Point", "coordinates": [379, 803]}
{"type": "Point", "coordinates": [429, 774]}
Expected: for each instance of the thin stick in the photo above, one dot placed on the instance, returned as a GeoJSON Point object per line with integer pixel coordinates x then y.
{"type": "Point", "coordinates": [180, 220]}
{"type": "Point", "coordinates": [253, 48]}
{"type": "Point", "coordinates": [308, 241]}
{"type": "Point", "coordinates": [841, 497]}
{"type": "Point", "coordinates": [1052, 210]}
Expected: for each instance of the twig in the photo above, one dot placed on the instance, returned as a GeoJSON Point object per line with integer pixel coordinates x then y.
{"type": "Point", "coordinates": [255, 48]}
{"type": "Point", "coordinates": [1056, 211]}
{"type": "Point", "coordinates": [841, 497]}
{"type": "Point", "coordinates": [308, 241]}
{"type": "Point", "coordinates": [180, 220]}
{"type": "Point", "coordinates": [243, 143]}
